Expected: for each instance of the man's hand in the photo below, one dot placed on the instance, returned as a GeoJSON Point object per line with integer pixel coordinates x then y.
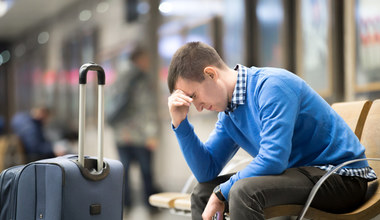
{"type": "Point", "coordinates": [213, 206]}
{"type": "Point", "coordinates": [179, 104]}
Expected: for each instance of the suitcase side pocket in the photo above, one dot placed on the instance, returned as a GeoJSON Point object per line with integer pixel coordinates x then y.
{"type": "Point", "coordinates": [40, 192]}
{"type": "Point", "coordinates": [8, 192]}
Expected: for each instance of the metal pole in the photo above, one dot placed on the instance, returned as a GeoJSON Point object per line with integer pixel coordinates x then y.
{"type": "Point", "coordinates": [82, 122]}
{"type": "Point", "coordinates": [100, 127]}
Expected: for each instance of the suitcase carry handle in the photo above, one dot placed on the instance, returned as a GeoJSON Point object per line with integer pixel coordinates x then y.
{"type": "Point", "coordinates": [82, 111]}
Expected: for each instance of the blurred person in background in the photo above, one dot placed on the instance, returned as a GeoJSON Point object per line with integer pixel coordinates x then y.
{"type": "Point", "coordinates": [132, 115]}
{"type": "Point", "coordinates": [29, 127]}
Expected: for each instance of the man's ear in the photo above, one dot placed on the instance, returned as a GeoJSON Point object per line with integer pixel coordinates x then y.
{"type": "Point", "coordinates": [211, 72]}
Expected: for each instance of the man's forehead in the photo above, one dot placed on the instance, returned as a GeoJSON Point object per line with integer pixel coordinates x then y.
{"type": "Point", "coordinates": [187, 86]}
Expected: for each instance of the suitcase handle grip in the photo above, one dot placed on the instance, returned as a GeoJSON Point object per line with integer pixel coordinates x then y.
{"type": "Point", "coordinates": [82, 111]}
{"type": "Point", "coordinates": [94, 67]}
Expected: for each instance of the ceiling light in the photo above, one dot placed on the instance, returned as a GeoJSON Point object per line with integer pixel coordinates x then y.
{"type": "Point", "coordinates": [20, 50]}
{"type": "Point", "coordinates": [85, 15]}
{"type": "Point", "coordinates": [143, 8]}
{"type": "Point", "coordinates": [166, 7]}
{"type": "Point", "coordinates": [4, 56]}
{"type": "Point", "coordinates": [3, 8]}
{"type": "Point", "coordinates": [102, 7]}
{"type": "Point", "coordinates": [43, 37]}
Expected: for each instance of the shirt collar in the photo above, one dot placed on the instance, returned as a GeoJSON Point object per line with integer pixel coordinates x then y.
{"type": "Point", "coordinates": [239, 94]}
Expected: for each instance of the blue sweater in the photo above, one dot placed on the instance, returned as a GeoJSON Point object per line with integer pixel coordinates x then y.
{"type": "Point", "coordinates": [283, 124]}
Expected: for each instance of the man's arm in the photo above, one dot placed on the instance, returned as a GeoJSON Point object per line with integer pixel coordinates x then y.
{"type": "Point", "coordinates": [205, 160]}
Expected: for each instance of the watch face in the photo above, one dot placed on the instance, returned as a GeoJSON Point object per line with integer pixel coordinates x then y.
{"type": "Point", "coordinates": [217, 189]}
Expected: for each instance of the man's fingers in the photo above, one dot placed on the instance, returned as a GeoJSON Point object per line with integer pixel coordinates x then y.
{"type": "Point", "coordinates": [180, 103]}
{"type": "Point", "coordinates": [183, 97]}
{"type": "Point", "coordinates": [180, 93]}
{"type": "Point", "coordinates": [180, 100]}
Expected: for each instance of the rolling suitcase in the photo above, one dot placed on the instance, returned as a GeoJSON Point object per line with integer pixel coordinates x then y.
{"type": "Point", "coordinates": [71, 187]}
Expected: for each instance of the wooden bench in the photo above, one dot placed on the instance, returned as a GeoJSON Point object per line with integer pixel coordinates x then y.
{"type": "Point", "coordinates": [12, 151]}
{"type": "Point", "coordinates": [354, 114]}
{"type": "Point", "coordinates": [362, 119]}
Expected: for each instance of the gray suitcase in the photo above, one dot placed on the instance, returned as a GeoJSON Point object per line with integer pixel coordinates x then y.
{"type": "Point", "coordinates": [71, 187]}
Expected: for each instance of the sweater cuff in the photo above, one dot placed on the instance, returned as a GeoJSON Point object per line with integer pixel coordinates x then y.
{"type": "Point", "coordinates": [225, 189]}
{"type": "Point", "coordinates": [183, 128]}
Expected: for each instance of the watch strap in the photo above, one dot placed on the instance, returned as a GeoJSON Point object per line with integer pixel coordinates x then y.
{"type": "Point", "coordinates": [219, 194]}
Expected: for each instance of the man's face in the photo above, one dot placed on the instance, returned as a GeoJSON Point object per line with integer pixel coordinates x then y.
{"type": "Point", "coordinates": [209, 94]}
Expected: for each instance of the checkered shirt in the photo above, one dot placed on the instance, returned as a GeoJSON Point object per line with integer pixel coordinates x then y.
{"type": "Point", "coordinates": [238, 96]}
{"type": "Point", "coordinates": [365, 172]}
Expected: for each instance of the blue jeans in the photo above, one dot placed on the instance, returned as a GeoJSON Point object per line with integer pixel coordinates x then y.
{"type": "Point", "coordinates": [143, 156]}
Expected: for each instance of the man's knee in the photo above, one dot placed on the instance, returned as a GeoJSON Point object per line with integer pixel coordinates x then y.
{"type": "Point", "coordinates": [246, 200]}
{"type": "Point", "coordinates": [206, 188]}
{"type": "Point", "coordinates": [201, 191]}
{"type": "Point", "coordinates": [247, 191]}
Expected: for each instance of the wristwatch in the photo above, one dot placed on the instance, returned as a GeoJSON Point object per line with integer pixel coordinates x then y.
{"type": "Point", "coordinates": [218, 193]}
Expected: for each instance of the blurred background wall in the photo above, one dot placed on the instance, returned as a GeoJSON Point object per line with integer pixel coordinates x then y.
{"type": "Point", "coordinates": [333, 45]}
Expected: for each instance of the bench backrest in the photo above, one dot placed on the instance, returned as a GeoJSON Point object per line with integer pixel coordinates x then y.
{"type": "Point", "coordinates": [371, 135]}
{"type": "Point", "coordinates": [354, 114]}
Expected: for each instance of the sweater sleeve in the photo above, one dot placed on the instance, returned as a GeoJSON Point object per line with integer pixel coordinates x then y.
{"type": "Point", "coordinates": [278, 108]}
{"type": "Point", "coordinates": [205, 160]}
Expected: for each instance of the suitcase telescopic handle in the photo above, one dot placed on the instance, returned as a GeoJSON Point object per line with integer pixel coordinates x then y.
{"type": "Point", "coordinates": [82, 111]}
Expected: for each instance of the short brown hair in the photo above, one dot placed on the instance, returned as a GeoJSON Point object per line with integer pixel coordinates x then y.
{"type": "Point", "coordinates": [189, 61]}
